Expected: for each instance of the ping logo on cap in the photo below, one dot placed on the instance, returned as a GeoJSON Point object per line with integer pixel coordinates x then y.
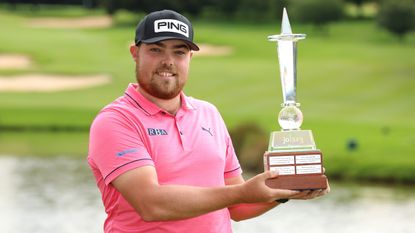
{"type": "Point", "coordinates": [171, 25]}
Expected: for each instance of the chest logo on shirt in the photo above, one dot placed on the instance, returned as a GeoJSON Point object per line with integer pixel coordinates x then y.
{"type": "Point", "coordinates": [155, 132]}
{"type": "Point", "coordinates": [207, 130]}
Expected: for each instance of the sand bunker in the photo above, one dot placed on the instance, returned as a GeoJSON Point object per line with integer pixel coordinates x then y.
{"type": "Point", "coordinates": [50, 83]}
{"type": "Point", "coordinates": [54, 83]}
{"type": "Point", "coordinates": [84, 22]}
{"type": "Point", "coordinates": [14, 61]}
{"type": "Point", "coordinates": [213, 50]}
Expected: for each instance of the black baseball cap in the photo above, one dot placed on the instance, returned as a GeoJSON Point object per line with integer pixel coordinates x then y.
{"type": "Point", "coordinates": [165, 25]}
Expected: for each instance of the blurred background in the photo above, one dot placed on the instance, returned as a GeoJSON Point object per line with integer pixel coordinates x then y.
{"type": "Point", "coordinates": [62, 61]}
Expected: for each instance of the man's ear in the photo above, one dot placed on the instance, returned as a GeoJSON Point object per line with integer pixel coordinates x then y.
{"type": "Point", "coordinates": [134, 51]}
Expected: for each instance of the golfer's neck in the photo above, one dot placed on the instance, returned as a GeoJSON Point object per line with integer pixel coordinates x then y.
{"type": "Point", "coordinates": [171, 105]}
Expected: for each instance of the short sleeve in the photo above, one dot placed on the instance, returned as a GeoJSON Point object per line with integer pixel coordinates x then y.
{"type": "Point", "coordinates": [232, 166]}
{"type": "Point", "coordinates": [116, 145]}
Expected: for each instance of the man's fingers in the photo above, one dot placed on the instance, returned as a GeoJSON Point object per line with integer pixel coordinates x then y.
{"type": "Point", "coordinates": [271, 174]}
{"type": "Point", "coordinates": [309, 194]}
{"type": "Point", "coordinates": [300, 194]}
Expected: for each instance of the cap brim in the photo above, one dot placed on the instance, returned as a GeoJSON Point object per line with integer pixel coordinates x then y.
{"type": "Point", "coordinates": [192, 45]}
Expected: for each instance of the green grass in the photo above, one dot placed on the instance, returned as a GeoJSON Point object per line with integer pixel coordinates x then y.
{"type": "Point", "coordinates": [73, 144]}
{"type": "Point", "coordinates": [353, 83]}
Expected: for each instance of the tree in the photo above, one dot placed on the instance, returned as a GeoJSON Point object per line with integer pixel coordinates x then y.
{"type": "Point", "coordinates": [192, 7]}
{"type": "Point", "coordinates": [397, 16]}
{"type": "Point", "coordinates": [260, 11]}
{"type": "Point", "coordinates": [317, 12]}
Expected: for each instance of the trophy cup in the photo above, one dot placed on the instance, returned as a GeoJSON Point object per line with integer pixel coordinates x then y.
{"type": "Point", "coordinates": [292, 151]}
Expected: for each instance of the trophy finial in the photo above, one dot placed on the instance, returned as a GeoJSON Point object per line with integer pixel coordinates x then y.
{"type": "Point", "coordinates": [285, 24]}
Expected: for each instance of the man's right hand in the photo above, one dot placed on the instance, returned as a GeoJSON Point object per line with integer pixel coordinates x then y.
{"type": "Point", "coordinates": [255, 190]}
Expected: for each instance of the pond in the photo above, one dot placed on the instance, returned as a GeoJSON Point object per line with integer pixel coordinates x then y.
{"type": "Point", "coordinates": [59, 194]}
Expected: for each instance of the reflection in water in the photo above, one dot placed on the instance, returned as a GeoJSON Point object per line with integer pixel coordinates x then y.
{"type": "Point", "coordinates": [48, 195]}
{"type": "Point", "coordinates": [347, 209]}
{"type": "Point", "coordinates": [51, 195]}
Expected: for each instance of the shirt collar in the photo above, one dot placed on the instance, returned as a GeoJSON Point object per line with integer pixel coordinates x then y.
{"type": "Point", "coordinates": [149, 107]}
{"type": "Point", "coordinates": [186, 102]}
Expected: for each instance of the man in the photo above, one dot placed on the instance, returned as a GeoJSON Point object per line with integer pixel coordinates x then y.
{"type": "Point", "coordinates": [163, 161]}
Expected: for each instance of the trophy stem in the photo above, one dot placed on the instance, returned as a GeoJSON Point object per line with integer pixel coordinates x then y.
{"type": "Point", "coordinates": [287, 55]}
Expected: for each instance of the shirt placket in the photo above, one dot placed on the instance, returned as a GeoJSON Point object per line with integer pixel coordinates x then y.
{"type": "Point", "coordinates": [181, 130]}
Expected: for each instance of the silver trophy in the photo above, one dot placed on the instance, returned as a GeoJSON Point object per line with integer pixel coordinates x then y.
{"type": "Point", "coordinates": [292, 151]}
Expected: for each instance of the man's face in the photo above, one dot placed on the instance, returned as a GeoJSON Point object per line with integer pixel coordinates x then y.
{"type": "Point", "coordinates": [162, 68]}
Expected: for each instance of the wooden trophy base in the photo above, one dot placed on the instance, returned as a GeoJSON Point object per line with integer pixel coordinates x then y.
{"type": "Point", "coordinates": [298, 170]}
{"type": "Point", "coordinates": [298, 182]}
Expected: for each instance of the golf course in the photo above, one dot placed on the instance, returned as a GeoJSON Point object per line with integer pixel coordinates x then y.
{"type": "Point", "coordinates": [355, 83]}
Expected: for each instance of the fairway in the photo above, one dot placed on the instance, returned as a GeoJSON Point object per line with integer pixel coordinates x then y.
{"type": "Point", "coordinates": [355, 82]}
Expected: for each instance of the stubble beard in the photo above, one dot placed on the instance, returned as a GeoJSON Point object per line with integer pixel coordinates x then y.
{"type": "Point", "coordinates": [160, 88]}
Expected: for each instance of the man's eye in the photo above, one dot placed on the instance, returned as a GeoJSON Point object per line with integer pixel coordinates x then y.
{"type": "Point", "coordinates": [179, 52]}
{"type": "Point", "coordinates": [155, 50]}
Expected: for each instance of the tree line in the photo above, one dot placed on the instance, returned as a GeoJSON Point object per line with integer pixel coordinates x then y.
{"type": "Point", "coordinates": [397, 16]}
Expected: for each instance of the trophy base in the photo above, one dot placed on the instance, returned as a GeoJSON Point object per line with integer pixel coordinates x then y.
{"type": "Point", "coordinates": [298, 182]}
{"type": "Point", "coordinates": [298, 170]}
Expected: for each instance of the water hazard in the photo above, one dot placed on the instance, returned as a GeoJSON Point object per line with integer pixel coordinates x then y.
{"type": "Point", "coordinates": [49, 195]}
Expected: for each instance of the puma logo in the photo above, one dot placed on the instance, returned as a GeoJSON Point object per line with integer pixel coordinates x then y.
{"type": "Point", "coordinates": [207, 130]}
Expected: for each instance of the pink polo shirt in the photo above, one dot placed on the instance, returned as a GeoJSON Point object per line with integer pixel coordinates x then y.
{"type": "Point", "coordinates": [192, 148]}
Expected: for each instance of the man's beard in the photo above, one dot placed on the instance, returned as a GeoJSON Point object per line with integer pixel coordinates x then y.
{"type": "Point", "coordinates": [162, 89]}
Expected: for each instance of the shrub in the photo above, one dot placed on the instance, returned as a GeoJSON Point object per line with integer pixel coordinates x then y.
{"type": "Point", "coordinates": [397, 16]}
{"type": "Point", "coordinates": [317, 12]}
{"type": "Point", "coordinates": [259, 11]}
{"type": "Point", "coordinates": [250, 143]}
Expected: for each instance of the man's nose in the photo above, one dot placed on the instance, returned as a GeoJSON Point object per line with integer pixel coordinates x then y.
{"type": "Point", "coordinates": [168, 59]}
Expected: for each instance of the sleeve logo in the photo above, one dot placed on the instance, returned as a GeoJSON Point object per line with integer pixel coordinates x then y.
{"type": "Point", "coordinates": [121, 153]}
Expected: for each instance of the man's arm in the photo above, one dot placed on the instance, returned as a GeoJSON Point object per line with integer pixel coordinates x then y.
{"type": "Point", "coordinates": [247, 210]}
{"type": "Point", "coordinates": [155, 202]}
